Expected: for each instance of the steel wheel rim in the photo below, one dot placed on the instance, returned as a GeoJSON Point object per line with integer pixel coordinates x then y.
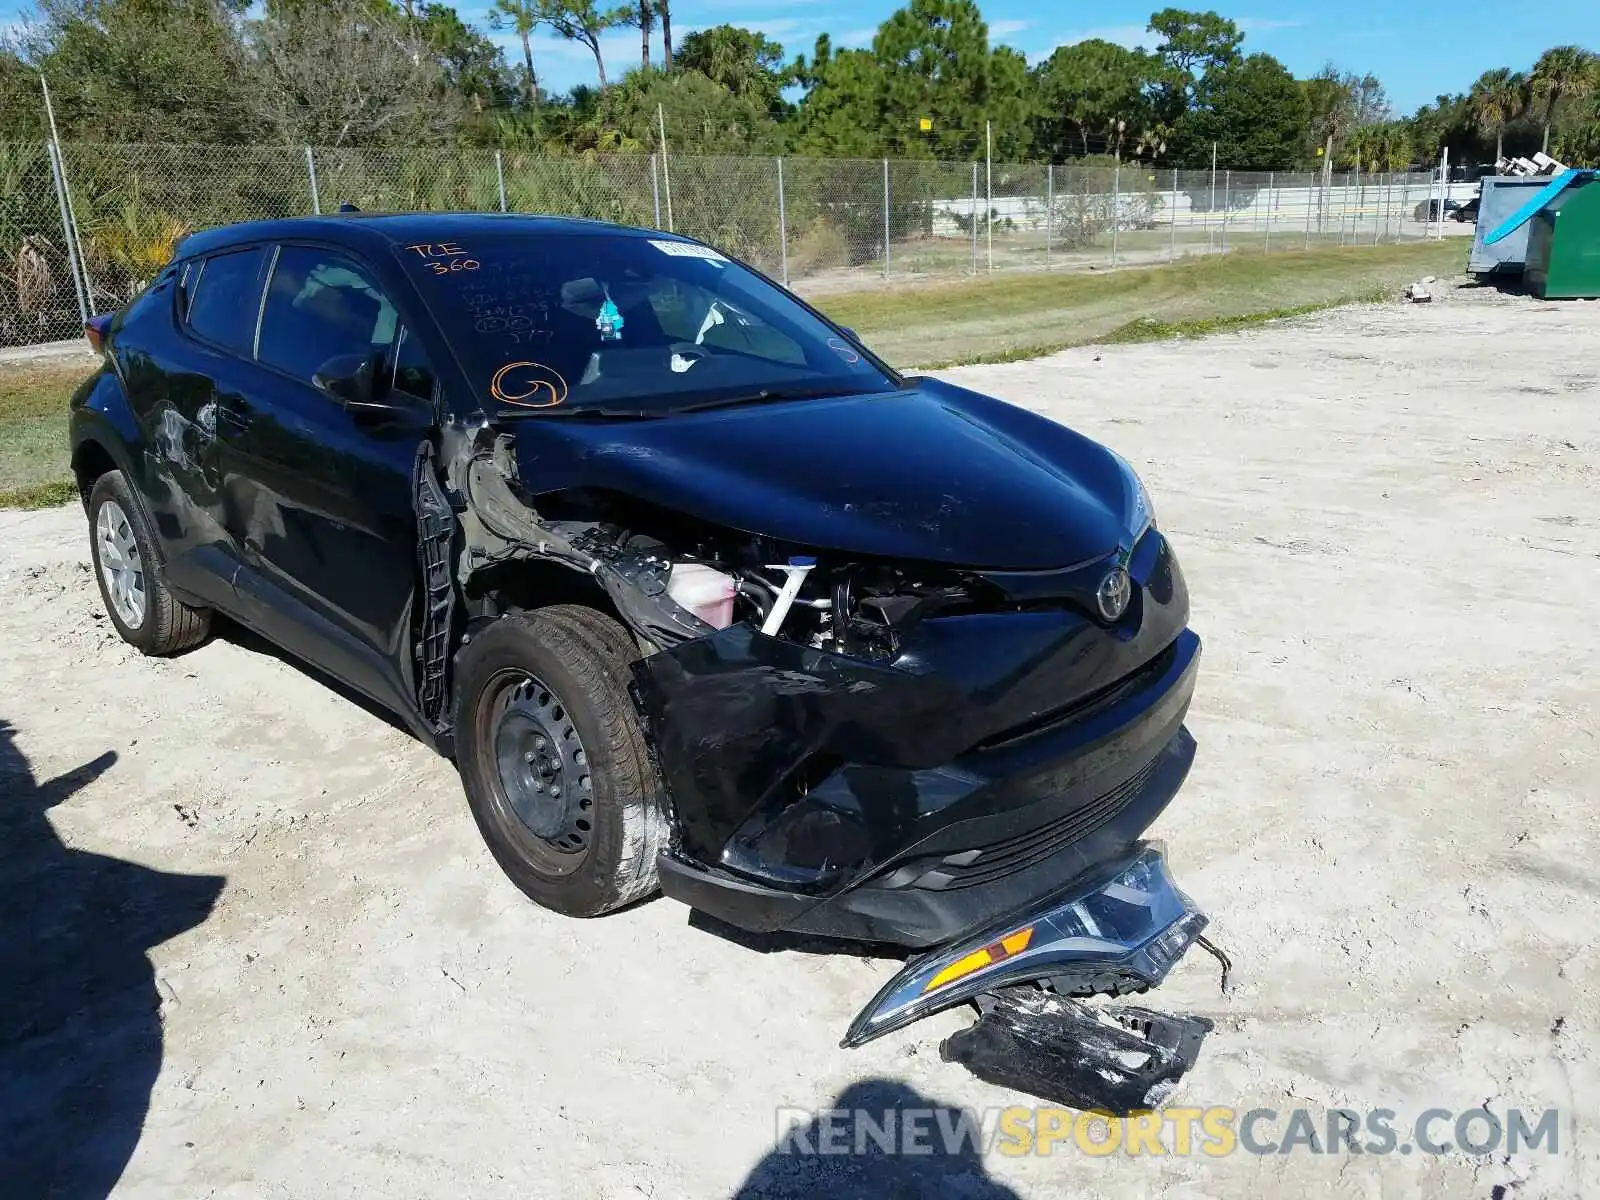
{"type": "Point", "coordinates": [121, 566]}
{"type": "Point", "coordinates": [539, 770]}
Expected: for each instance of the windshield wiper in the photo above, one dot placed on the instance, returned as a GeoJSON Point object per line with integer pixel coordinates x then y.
{"type": "Point", "coordinates": [766, 396]}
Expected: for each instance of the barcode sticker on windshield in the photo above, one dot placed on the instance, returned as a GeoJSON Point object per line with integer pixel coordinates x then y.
{"type": "Point", "coordinates": [688, 250]}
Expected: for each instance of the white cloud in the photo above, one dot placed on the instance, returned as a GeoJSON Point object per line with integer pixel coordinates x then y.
{"type": "Point", "coordinates": [1004, 29]}
{"type": "Point", "coordinates": [620, 50]}
{"type": "Point", "coordinates": [853, 39]}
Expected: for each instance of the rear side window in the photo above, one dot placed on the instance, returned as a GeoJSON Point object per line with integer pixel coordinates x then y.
{"type": "Point", "coordinates": [188, 281]}
{"type": "Point", "coordinates": [225, 299]}
{"type": "Point", "coordinates": [320, 306]}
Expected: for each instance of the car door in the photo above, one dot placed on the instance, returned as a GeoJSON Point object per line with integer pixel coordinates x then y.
{"type": "Point", "coordinates": [321, 496]}
{"type": "Point", "coordinates": [175, 384]}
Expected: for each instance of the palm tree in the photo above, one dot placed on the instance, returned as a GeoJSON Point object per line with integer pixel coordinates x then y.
{"type": "Point", "coordinates": [1360, 147]}
{"type": "Point", "coordinates": [523, 17]}
{"type": "Point", "coordinates": [664, 7]}
{"type": "Point", "coordinates": [1392, 147]}
{"type": "Point", "coordinates": [645, 18]}
{"type": "Point", "coordinates": [1562, 72]}
{"type": "Point", "coordinates": [1497, 99]}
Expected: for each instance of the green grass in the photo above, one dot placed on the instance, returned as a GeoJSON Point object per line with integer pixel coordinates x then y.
{"type": "Point", "coordinates": [1151, 329]}
{"type": "Point", "coordinates": [1003, 318]}
{"type": "Point", "coordinates": [39, 495]}
{"type": "Point", "coordinates": [34, 472]}
{"type": "Point", "coordinates": [998, 318]}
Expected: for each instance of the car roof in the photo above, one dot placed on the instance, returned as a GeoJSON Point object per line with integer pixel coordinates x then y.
{"type": "Point", "coordinates": [375, 230]}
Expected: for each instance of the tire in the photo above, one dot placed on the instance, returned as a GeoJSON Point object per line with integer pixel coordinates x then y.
{"type": "Point", "coordinates": [559, 674]}
{"type": "Point", "coordinates": [613, 637]}
{"type": "Point", "coordinates": [132, 574]}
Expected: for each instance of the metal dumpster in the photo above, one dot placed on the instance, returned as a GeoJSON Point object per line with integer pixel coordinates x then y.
{"type": "Point", "coordinates": [1501, 196]}
{"type": "Point", "coordinates": [1564, 245]}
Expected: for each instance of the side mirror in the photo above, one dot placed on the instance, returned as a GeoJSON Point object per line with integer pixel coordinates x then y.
{"type": "Point", "coordinates": [348, 378]}
{"type": "Point", "coordinates": [352, 380]}
{"type": "Point", "coordinates": [851, 334]}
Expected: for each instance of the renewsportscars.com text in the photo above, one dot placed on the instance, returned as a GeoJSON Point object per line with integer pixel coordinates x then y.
{"type": "Point", "coordinates": [1214, 1132]}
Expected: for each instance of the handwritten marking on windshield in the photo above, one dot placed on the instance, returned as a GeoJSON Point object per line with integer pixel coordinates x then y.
{"type": "Point", "coordinates": [515, 322]}
{"type": "Point", "coordinates": [438, 249]}
{"type": "Point", "coordinates": [843, 351]}
{"type": "Point", "coordinates": [545, 387]}
{"type": "Point", "coordinates": [444, 258]}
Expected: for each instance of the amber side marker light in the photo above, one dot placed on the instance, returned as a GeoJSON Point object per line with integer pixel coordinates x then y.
{"type": "Point", "coordinates": [994, 952]}
{"type": "Point", "coordinates": [94, 329]}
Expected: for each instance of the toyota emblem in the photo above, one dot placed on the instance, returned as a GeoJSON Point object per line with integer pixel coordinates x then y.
{"type": "Point", "coordinates": [1115, 590]}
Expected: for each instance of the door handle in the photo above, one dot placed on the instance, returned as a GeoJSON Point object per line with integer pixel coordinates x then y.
{"type": "Point", "coordinates": [230, 415]}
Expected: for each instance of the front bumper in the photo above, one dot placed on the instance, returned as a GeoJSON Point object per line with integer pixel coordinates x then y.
{"type": "Point", "coordinates": [965, 843]}
{"type": "Point", "coordinates": [1117, 930]}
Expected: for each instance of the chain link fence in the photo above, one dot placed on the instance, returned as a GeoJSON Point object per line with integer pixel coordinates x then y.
{"type": "Point", "coordinates": [84, 227]}
{"type": "Point", "coordinates": [40, 297]}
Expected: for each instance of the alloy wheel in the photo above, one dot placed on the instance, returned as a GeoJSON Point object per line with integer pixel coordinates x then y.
{"type": "Point", "coordinates": [121, 566]}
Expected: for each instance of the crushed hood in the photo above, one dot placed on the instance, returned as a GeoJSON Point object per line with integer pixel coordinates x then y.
{"type": "Point", "coordinates": [933, 473]}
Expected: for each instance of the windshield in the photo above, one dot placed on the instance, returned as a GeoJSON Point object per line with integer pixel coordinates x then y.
{"type": "Point", "coordinates": [551, 324]}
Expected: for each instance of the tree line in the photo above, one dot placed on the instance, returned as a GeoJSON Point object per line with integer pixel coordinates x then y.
{"type": "Point", "coordinates": [931, 85]}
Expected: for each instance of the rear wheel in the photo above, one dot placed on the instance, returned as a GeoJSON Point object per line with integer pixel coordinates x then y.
{"type": "Point", "coordinates": [132, 577]}
{"type": "Point", "coordinates": [554, 762]}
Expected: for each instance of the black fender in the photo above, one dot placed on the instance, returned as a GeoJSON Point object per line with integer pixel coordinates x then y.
{"type": "Point", "coordinates": [102, 422]}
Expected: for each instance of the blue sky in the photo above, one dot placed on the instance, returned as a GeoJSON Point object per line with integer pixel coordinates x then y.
{"type": "Point", "coordinates": [1417, 49]}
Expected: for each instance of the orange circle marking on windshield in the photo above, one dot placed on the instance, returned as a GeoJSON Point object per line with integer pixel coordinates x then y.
{"type": "Point", "coordinates": [555, 387]}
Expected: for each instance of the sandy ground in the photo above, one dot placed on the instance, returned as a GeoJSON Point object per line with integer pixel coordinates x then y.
{"type": "Point", "coordinates": [1389, 521]}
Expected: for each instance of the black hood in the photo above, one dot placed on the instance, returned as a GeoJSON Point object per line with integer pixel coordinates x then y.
{"type": "Point", "coordinates": [934, 473]}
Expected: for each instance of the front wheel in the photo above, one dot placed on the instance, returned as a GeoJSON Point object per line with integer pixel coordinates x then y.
{"type": "Point", "coordinates": [132, 577]}
{"type": "Point", "coordinates": [554, 762]}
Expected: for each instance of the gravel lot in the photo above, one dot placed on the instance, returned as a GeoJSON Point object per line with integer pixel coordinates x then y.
{"type": "Point", "coordinates": [1390, 520]}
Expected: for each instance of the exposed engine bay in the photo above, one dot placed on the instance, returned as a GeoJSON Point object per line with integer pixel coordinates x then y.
{"type": "Point", "coordinates": [705, 579]}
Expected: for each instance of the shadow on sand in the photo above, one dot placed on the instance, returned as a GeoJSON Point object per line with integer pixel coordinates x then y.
{"type": "Point", "coordinates": [80, 1016]}
{"type": "Point", "coordinates": [920, 1165]}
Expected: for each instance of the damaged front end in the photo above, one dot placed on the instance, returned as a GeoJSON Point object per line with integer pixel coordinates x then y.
{"type": "Point", "coordinates": [955, 760]}
{"type": "Point", "coordinates": [1006, 740]}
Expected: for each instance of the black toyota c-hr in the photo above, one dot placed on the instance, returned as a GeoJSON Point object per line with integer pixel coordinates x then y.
{"type": "Point", "coordinates": [698, 593]}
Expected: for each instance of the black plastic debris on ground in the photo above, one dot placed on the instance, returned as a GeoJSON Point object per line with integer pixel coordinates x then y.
{"type": "Point", "coordinates": [1119, 1060]}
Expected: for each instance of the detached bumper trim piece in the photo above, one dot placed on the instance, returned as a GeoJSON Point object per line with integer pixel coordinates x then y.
{"type": "Point", "coordinates": [1115, 1060]}
{"type": "Point", "coordinates": [1120, 931]}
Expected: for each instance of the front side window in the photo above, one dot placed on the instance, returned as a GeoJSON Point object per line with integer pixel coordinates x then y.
{"type": "Point", "coordinates": [224, 300]}
{"type": "Point", "coordinates": [413, 374]}
{"type": "Point", "coordinates": [321, 306]}
{"type": "Point", "coordinates": [568, 321]}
